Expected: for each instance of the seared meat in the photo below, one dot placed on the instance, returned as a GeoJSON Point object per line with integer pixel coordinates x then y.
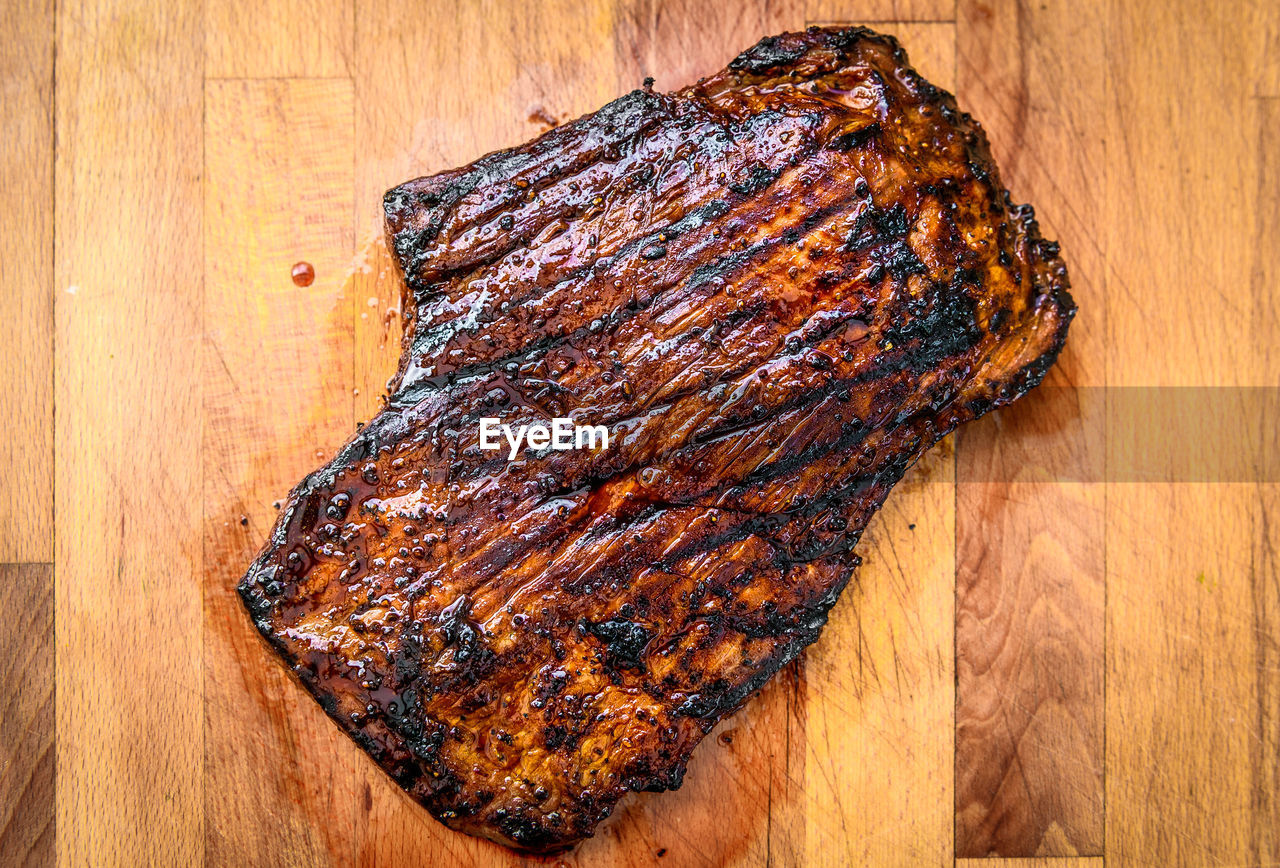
{"type": "Point", "coordinates": [776, 288]}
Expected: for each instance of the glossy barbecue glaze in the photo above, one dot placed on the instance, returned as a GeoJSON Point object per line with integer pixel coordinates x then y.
{"type": "Point", "coordinates": [777, 288]}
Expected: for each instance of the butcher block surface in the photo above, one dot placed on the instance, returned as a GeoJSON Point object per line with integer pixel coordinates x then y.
{"type": "Point", "coordinates": [1059, 650]}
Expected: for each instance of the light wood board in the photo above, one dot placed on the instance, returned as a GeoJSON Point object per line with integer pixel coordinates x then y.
{"type": "Point", "coordinates": [1045, 659]}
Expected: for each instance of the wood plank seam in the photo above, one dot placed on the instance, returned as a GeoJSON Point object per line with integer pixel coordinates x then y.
{"type": "Point", "coordinates": [1031, 862]}
{"type": "Point", "coordinates": [53, 349]}
{"type": "Point", "coordinates": [53, 368]}
{"type": "Point", "coordinates": [1104, 278]}
{"type": "Point", "coordinates": [280, 78]}
{"type": "Point", "coordinates": [201, 454]}
{"type": "Point", "coordinates": [356, 416]}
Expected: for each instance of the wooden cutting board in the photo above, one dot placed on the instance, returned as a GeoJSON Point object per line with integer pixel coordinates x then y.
{"type": "Point", "coordinates": [1046, 653]}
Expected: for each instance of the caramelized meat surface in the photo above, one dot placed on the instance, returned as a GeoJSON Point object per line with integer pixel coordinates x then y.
{"type": "Point", "coordinates": [777, 289]}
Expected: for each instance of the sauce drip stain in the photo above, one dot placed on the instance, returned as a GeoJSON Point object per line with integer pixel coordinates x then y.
{"type": "Point", "coordinates": [303, 274]}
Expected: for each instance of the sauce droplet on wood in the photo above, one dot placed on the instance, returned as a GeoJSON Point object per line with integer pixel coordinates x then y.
{"type": "Point", "coordinates": [303, 274]}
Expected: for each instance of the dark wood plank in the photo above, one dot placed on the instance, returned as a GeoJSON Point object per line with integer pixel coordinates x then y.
{"type": "Point", "coordinates": [1029, 513]}
{"type": "Point", "coordinates": [26, 273]}
{"type": "Point", "coordinates": [26, 715]}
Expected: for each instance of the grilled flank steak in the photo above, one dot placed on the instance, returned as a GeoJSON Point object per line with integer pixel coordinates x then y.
{"type": "Point", "coordinates": [777, 289]}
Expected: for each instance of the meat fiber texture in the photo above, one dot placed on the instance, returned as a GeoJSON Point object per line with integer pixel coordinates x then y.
{"type": "Point", "coordinates": [776, 288]}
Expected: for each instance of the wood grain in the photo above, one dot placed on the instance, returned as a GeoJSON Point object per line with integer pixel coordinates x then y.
{"type": "Point", "coordinates": [1268, 35]}
{"type": "Point", "coordinates": [27, 724]}
{"type": "Point", "coordinates": [26, 273]}
{"type": "Point", "coordinates": [277, 403]}
{"type": "Point", "coordinates": [1034, 862]}
{"type": "Point", "coordinates": [1264, 568]}
{"type": "Point", "coordinates": [128, 387]}
{"type": "Point", "coordinates": [26, 715]}
{"type": "Point", "coordinates": [1183, 627]}
{"type": "Point", "coordinates": [881, 12]}
{"type": "Point", "coordinates": [1029, 705]}
{"type": "Point", "coordinates": [1030, 523]}
{"type": "Point", "coordinates": [1264, 744]}
{"type": "Point", "coordinates": [279, 38]}
{"type": "Point", "coordinates": [1190, 611]}
{"type": "Point", "coordinates": [878, 730]}
{"type": "Point", "coordinates": [202, 149]}
{"type": "Point", "coordinates": [679, 42]}
{"type": "Point", "coordinates": [493, 83]}
{"type": "Point", "coordinates": [931, 49]}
